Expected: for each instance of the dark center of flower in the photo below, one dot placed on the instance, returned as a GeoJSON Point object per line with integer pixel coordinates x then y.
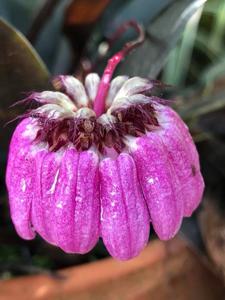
{"type": "Point", "coordinates": [85, 132]}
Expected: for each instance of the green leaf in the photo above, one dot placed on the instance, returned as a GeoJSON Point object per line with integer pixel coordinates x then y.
{"type": "Point", "coordinates": [19, 13]}
{"type": "Point", "coordinates": [21, 71]}
{"type": "Point", "coordinates": [214, 71]}
{"type": "Point", "coordinates": [203, 106]}
{"type": "Point", "coordinates": [183, 56]}
{"type": "Point", "coordinates": [163, 33]}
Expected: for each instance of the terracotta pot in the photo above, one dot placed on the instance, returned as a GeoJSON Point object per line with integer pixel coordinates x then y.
{"type": "Point", "coordinates": [164, 270]}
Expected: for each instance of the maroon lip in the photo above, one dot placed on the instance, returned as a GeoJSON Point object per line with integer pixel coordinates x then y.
{"type": "Point", "coordinates": [85, 132]}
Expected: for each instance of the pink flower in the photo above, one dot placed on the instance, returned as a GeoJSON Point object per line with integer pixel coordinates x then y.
{"type": "Point", "coordinates": [104, 159]}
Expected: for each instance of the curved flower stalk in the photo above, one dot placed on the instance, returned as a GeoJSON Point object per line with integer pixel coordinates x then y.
{"type": "Point", "coordinates": [102, 159]}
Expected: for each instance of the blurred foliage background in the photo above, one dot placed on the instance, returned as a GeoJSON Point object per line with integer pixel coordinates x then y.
{"type": "Point", "coordinates": [184, 47]}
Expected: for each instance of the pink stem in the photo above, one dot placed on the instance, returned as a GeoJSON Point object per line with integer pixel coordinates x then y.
{"type": "Point", "coordinates": [99, 103]}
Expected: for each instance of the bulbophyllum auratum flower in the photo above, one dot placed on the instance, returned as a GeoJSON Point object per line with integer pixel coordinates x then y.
{"type": "Point", "coordinates": [102, 159]}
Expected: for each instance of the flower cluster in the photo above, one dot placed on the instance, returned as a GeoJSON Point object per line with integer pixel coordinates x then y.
{"type": "Point", "coordinates": [74, 176]}
{"type": "Point", "coordinates": [102, 159]}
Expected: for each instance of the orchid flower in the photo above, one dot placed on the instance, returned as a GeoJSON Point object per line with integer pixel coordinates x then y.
{"type": "Point", "coordinates": [102, 159]}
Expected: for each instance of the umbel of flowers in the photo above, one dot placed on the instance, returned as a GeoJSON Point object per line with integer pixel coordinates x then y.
{"type": "Point", "coordinates": [104, 159]}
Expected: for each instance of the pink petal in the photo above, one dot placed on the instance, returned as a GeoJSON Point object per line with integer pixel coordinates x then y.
{"type": "Point", "coordinates": [185, 158]}
{"type": "Point", "coordinates": [76, 207]}
{"type": "Point", "coordinates": [159, 184]}
{"type": "Point", "coordinates": [47, 170]}
{"type": "Point", "coordinates": [66, 209]}
{"type": "Point", "coordinates": [124, 215]}
{"type": "Point", "coordinates": [20, 178]}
